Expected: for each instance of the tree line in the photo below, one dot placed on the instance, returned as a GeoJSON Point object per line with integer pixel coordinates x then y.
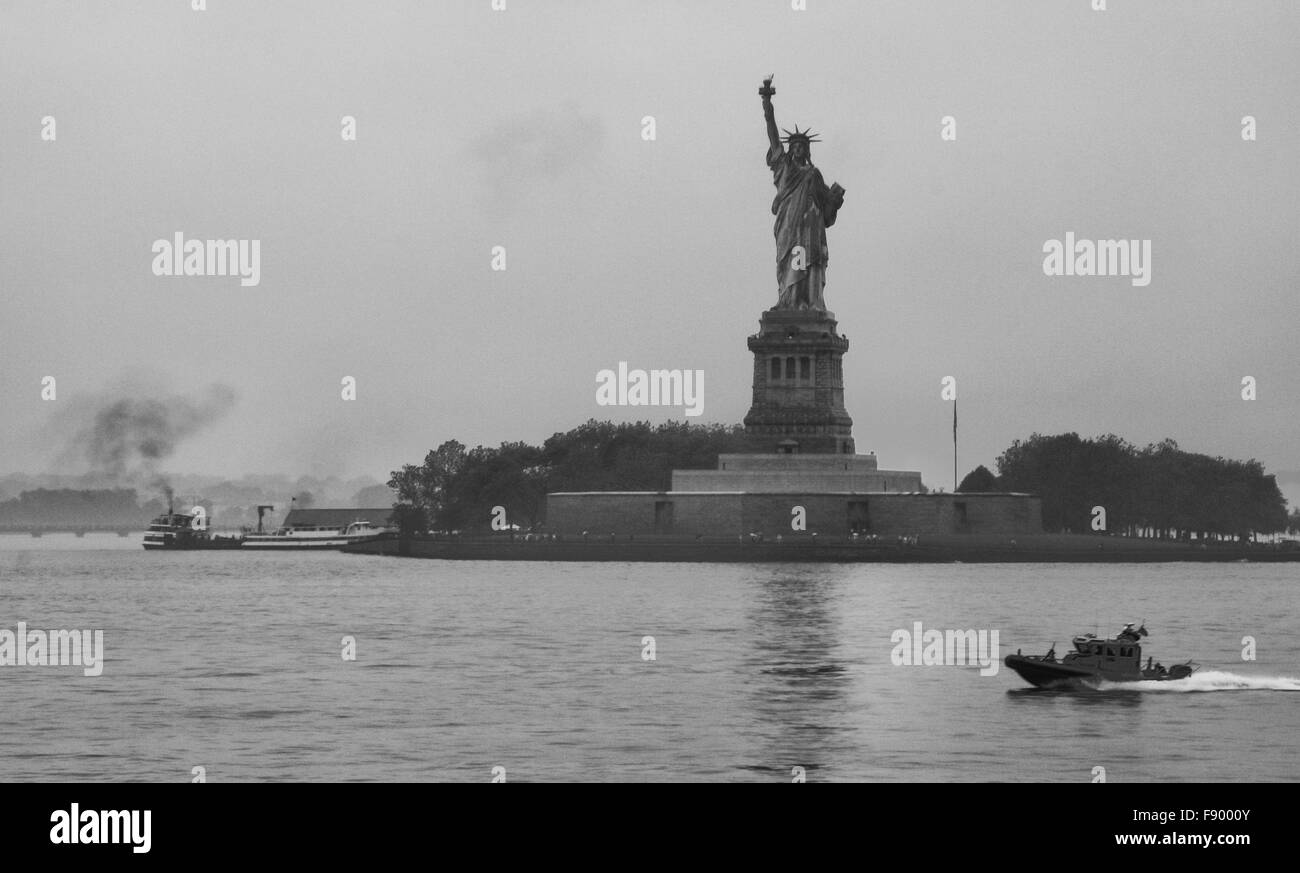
{"type": "Point", "coordinates": [456, 488]}
{"type": "Point", "coordinates": [1158, 491]}
{"type": "Point", "coordinates": [121, 508]}
{"type": "Point", "coordinates": [67, 506]}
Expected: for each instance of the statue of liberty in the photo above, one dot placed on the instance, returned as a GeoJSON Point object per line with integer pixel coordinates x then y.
{"type": "Point", "coordinates": [804, 207]}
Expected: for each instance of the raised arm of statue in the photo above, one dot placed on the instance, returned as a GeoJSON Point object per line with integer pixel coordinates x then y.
{"type": "Point", "coordinates": [766, 92]}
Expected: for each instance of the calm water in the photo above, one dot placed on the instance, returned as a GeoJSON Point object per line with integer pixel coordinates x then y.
{"type": "Point", "coordinates": [232, 661]}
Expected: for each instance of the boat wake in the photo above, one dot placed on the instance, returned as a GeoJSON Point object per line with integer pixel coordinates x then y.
{"type": "Point", "coordinates": [1207, 680]}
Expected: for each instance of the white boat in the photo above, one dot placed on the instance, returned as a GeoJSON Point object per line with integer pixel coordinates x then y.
{"type": "Point", "coordinates": [313, 537]}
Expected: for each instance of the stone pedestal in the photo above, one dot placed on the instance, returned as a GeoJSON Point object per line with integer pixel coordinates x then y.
{"type": "Point", "coordinates": [798, 404]}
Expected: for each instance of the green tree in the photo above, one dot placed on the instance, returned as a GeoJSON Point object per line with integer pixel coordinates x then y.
{"type": "Point", "coordinates": [426, 485]}
{"type": "Point", "coordinates": [977, 480]}
{"type": "Point", "coordinates": [458, 488]}
{"type": "Point", "coordinates": [409, 519]}
{"type": "Point", "coordinates": [1161, 488]}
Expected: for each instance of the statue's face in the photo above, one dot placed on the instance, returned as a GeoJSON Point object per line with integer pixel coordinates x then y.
{"type": "Point", "coordinates": [799, 151]}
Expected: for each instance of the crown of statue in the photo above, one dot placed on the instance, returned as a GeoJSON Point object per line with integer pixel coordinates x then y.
{"type": "Point", "coordinates": [804, 135]}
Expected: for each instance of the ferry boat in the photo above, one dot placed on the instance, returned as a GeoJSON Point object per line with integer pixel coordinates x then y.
{"type": "Point", "coordinates": [1117, 659]}
{"type": "Point", "coordinates": [178, 530]}
{"type": "Point", "coordinates": [301, 529]}
{"type": "Point", "coordinates": [318, 529]}
{"type": "Point", "coordinates": [314, 537]}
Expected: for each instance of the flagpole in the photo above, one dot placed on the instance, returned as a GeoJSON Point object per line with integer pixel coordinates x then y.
{"type": "Point", "coordinates": [954, 445]}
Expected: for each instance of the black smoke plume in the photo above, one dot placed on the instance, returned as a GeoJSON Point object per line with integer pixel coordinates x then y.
{"type": "Point", "coordinates": [127, 435]}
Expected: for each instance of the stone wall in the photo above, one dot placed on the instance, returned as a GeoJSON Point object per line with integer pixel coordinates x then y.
{"type": "Point", "coordinates": [796, 482]}
{"type": "Point", "coordinates": [803, 474]}
{"type": "Point", "coordinates": [828, 514]}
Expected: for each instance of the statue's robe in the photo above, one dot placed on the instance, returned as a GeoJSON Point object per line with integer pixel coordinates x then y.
{"type": "Point", "coordinates": [804, 207]}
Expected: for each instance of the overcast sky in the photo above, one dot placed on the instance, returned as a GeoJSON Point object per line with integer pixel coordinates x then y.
{"type": "Point", "coordinates": [523, 128]}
